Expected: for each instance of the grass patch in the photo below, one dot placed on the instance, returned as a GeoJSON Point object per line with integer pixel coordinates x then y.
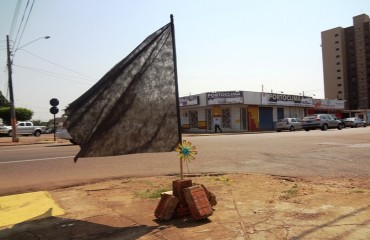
{"type": "Point", "coordinates": [222, 179]}
{"type": "Point", "coordinates": [151, 193]}
{"type": "Point", "coordinates": [292, 192]}
{"type": "Point", "coordinates": [357, 191]}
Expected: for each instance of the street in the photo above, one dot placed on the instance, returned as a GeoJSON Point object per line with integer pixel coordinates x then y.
{"type": "Point", "coordinates": [331, 153]}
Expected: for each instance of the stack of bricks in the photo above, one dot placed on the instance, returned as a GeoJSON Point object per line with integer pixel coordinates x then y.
{"type": "Point", "coordinates": [178, 187]}
{"type": "Point", "coordinates": [185, 200]}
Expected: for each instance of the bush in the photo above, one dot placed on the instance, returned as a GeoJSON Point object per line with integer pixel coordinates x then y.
{"type": "Point", "coordinates": [21, 114]}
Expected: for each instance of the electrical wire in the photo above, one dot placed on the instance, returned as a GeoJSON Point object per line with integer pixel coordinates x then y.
{"type": "Point", "coordinates": [56, 75]}
{"type": "Point", "coordinates": [52, 73]}
{"type": "Point", "coordinates": [15, 18]}
{"type": "Point", "coordinates": [24, 27]}
{"type": "Point", "coordinates": [55, 64]}
{"type": "Point", "coordinates": [20, 25]}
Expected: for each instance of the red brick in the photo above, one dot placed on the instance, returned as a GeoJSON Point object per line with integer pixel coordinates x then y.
{"type": "Point", "coordinates": [198, 203]}
{"type": "Point", "coordinates": [211, 197]}
{"type": "Point", "coordinates": [178, 187]}
{"type": "Point", "coordinates": [166, 206]}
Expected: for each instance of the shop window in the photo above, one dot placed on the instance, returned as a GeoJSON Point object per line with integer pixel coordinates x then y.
{"type": "Point", "coordinates": [226, 118]}
{"type": "Point", "coordinates": [193, 119]}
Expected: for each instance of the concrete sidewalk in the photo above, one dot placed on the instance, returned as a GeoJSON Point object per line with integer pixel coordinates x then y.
{"type": "Point", "coordinates": [249, 207]}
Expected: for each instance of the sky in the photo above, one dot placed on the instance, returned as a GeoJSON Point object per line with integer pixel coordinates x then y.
{"type": "Point", "coordinates": [241, 45]}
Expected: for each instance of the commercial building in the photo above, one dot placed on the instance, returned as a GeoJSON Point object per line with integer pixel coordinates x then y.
{"type": "Point", "coordinates": [248, 111]}
{"type": "Point", "coordinates": [346, 64]}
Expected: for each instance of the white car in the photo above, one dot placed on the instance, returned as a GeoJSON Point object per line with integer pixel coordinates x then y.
{"type": "Point", "coordinates": [290, 124]}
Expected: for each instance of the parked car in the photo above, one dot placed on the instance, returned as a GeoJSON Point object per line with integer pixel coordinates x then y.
{"type": "Point", "coordinates": [23, 128]}
{"type": "Point", "coordinates": [290, 124]}
{"type": "Point", "coordinates": [321, 121]}
{"type": "Point", "coordinates": [354, 122]}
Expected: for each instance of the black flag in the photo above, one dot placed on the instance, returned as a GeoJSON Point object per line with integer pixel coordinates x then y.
{"type": "Point", "coordinates": [132, 108]}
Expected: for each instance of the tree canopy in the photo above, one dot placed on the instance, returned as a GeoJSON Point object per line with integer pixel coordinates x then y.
{"type": "Point", "coordinates": [3, 101]}
{"type": "Point", "coordinates": [21, 114]}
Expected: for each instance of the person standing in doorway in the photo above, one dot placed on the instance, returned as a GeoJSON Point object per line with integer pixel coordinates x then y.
{"type": "Point", "coordinates": [217, 123]}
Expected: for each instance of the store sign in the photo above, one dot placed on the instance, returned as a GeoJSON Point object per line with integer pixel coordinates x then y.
{"type": "Point", "coordinates": [189, 101]}
{"type": "Point", "coordinates": [328, 104]}
{"type": "Point", "coordinates": [286, 100]}
{"type": "Point", "coordinates": [224, 98]}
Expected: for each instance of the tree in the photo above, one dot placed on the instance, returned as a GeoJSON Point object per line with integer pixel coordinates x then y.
{"type": "Point", "coordinates": [22, 114]}
{"type": "Point", "coordinates": [3, 101]}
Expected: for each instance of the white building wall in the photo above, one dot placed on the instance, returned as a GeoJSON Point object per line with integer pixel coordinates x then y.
{"type": "Point", "coordinates": [235, 118]}
{"type": "Point", "coordinates": [203, 99]}
{"type": "Point", "coordinates": [201, 114]}
{"type": "Point", "coordinates": [252, 98]}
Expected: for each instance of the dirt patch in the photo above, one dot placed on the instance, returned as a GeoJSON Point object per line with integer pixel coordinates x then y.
{"type": "Point", "coordinates": [249, 207]}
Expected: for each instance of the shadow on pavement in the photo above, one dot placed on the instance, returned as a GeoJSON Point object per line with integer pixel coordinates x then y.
{"type": "Point", "coordinates": [58, 228]}
{"type": "Point", "coordinates": [336, 222]}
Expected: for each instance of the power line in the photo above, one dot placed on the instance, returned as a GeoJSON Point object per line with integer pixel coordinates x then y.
{"type": "Point", "coordinates": [51, 73]}
{"type": "Point", "coordinates": [55, 64]}
{"type": "Point", "coordinates": [15, 18]}
{"type": "Point", "coordinates": [24, 27]}
{"type": "Point", "coordinates": [20, 25]}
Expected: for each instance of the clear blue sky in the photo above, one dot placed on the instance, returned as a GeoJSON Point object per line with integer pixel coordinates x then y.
{"type": "Point", "coordinates": [221, 45]}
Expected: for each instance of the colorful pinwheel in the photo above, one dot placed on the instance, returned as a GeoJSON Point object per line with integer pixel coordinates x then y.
{"type": "Point", "coordinates": [186, 151]}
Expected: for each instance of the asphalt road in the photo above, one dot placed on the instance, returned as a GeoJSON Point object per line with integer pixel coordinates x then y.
{"type": "Point", "coordinates": [332, 153]}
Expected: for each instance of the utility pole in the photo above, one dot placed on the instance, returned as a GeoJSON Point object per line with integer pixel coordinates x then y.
{"type": "Point", "coordinates": [12, 107]}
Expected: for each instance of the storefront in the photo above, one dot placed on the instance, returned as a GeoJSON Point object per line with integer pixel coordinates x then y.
{"type": "Point", "coordinates": [239, 110]}
{"type": "Point", "coordinates": [335, 107]}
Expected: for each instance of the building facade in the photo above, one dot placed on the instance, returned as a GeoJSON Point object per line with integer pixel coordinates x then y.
{"type": "Point", "coordinates": [346, 63]}
{"type": "Point", "coordinates": [248, 111]}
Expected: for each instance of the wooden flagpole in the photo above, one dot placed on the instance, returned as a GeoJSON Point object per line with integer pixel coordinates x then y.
{"type": "Point", "coordinates": [177, 90]}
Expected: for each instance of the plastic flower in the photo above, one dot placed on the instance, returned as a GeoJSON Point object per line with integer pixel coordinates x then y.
{"type": "Point", "coordinates": [186, 151]}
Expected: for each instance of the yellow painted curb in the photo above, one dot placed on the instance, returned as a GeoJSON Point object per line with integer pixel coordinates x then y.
{"type": "Point", "coordinates": [27, 207]}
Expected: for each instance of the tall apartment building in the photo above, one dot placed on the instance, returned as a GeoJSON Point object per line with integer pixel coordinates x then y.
{"type": "Point", "coordinates": [346, 63]}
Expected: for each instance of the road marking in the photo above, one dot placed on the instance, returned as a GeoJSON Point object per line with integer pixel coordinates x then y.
{"type": "Point", "coordinates": [25, 207]}
{"type": "Point", "coordinates": [21, 149]}
{"type": "Point", "coordinates": [35, 160]}
{"type": "Point", "coordinates": [25, 149]}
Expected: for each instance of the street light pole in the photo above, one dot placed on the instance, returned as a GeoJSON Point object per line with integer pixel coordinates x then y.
{"type": "Point", "coordinates": [13, 119]}
{"type": "Point", "coordinates": [12, 106]}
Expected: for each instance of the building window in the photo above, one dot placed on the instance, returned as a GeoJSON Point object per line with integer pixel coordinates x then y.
{"type": "Point", "coordinates": [338, 70]}
{"type": "Point", "coordinates": [339, 85]}
{"type": "Point", "coordinates": [339, 92]}
{"type": "Point", "coordinates": [337, 49]}
{"type": "Point", "coordinates": [336, 35]}
{"type": "Point", "coordinates": [336, 42]}
{"type": "Point", "coordinates": [337, 56]}
{"type": "Point", "coordinates": [339, 78]}
{"type": "Point", "coordinates": [226, 118]}
{"type": "Point", "coordinates": [193, 119]}
{"type": "Point", "coordinates": [338, 63]}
